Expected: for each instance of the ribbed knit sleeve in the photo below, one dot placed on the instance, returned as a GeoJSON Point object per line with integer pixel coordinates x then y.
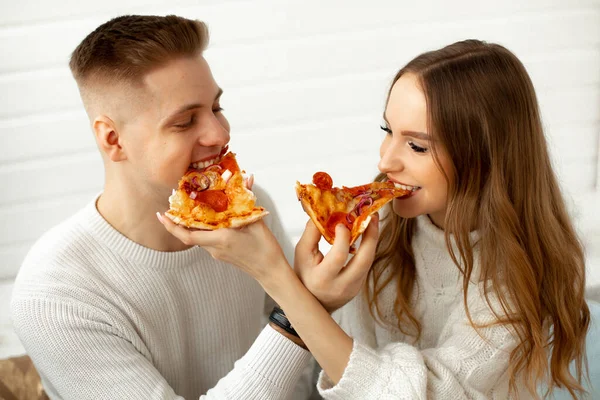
{"type": "Point", "coordinates": [464, 365]}
{"type": "Point", "coordinates": [58, 335]}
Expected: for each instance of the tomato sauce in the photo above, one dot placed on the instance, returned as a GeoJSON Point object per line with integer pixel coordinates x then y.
{"type": "Point", "coordinates": [336, 218]}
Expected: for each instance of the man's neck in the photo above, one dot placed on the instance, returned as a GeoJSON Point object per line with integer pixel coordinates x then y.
{"type": "Point", "coordinates": [134, 216]}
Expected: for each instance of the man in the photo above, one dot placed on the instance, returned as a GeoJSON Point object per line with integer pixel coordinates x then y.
{"type": "Point", "coordinates": [109, 304]}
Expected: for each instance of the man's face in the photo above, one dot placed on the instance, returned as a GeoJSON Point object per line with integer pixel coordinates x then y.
{"type": "Point", "coordinates": [178, 122]}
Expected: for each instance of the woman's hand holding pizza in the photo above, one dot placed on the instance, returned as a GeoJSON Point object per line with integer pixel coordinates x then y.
{"type": "Point", "coordinates": [328, 277]}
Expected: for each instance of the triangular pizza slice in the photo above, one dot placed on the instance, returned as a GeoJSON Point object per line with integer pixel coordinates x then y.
{"type": "Point", "coordinates": [214, 197]}
{"type": "Point", "coordinates": [329, 206]}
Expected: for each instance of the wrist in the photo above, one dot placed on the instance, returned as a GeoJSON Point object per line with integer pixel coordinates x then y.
{"type": "Point", "coordinates": [278, 282]}
{"type": "Point", "coordinates": [288, 335]}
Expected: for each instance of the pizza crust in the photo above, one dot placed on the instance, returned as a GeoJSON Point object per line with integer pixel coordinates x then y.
{"type": "Point", "coordinates": [234, 222]}
{"type": "Point", "coordinates": [305, 198]}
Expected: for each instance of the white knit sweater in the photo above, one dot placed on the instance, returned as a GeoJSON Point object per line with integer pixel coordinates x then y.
{"type": "Point", "coordinates": [450, 361]}
{"type": "Point", "coordinates": [103, 317]}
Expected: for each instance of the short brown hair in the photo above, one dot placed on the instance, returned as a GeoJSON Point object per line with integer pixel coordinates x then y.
{"type": "Point", "coordinates": [127, 47]}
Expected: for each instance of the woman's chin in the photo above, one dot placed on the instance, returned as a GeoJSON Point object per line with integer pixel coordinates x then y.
{"type": "Point", "coordinates": [402, 209]}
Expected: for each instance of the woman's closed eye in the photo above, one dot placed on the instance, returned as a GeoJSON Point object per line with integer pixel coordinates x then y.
{"type": "Point", "coordinates": [416, 148]}
{"type": "Point", "coordinates": [386, 129]}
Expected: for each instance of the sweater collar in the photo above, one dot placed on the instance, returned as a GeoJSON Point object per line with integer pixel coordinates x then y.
{"type": "Point", "coordinates": [102, 231]}
{"type": "Point", "coordinates": [434, 234]}
{"type": "Point", "coordinates": [433, 261]}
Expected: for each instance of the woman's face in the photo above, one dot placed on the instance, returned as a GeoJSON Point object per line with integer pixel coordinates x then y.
{"type": "Point", "coordinates": [406, 156]}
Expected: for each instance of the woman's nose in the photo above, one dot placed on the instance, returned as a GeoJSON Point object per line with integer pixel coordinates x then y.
{"type": "Point", "coordinates": [391, 159]}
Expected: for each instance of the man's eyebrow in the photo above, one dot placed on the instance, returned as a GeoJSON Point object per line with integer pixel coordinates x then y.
{"type": "Point", "coordinates": [416, 135]}
{"type": "Point", "coordinates": [188, 107]}
{"type": "Point", "coordinates": [183, 109]}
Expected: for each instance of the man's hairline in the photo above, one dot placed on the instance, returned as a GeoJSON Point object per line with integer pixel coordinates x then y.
{"type": "Point", "coordinates": [137, 83]}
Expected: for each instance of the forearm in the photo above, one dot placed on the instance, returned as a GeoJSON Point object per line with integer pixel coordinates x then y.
{"type": "Point", "coordinates": [327, 342]}
{"type": "Point", "coordinates": [288, 335]}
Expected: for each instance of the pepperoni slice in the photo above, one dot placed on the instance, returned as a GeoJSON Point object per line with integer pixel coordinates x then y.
{"type": "Point", "coordinates": [323, 181]}
{"type": "Point", "coordinates": [216, 199]}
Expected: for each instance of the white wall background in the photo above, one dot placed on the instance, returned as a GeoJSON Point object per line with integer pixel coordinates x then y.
{"type": "Point", "coordinates": [305, 84]}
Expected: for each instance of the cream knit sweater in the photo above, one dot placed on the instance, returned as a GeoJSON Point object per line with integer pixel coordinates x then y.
{"type": "Point", "coordinates": [105, 318]}
{"type": "Point", "coordinates": [450, 361]}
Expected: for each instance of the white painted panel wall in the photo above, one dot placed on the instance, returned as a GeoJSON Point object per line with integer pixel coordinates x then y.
{"type": "Point", "coordinates": [295, 73]}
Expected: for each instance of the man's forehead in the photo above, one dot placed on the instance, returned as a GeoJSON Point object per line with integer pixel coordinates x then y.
{"type": "Point", "coordinates": [181, 81]}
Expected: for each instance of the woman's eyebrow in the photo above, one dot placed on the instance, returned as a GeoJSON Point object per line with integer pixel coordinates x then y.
{"type": "Point", "coordinates": [415, 134]}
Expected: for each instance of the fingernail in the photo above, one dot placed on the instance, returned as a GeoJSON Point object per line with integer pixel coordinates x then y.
{"type": "Point", "coordinates": [160, 218]}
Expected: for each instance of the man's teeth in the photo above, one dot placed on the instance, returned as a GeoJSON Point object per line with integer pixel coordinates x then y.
{"type": "Point", "coordinates": [204, 164]}
{"type": "Point", "coordinates": [406, 187]}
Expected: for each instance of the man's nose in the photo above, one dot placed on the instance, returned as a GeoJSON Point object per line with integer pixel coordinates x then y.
{"type": "Point", "coordinates": [214, 134]}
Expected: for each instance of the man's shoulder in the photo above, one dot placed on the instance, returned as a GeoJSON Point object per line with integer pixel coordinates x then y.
{"type": "Point", "coordinates": [64, 247]}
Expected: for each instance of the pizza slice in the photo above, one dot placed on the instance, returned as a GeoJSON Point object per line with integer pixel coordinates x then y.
{"type": "Point", "coordinates": [214, 197]}
{"type": "Point", "coordinates": [329, 206]}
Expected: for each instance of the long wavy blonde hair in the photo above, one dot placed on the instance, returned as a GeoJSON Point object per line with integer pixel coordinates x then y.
{"type": "Point", "coordinates": [483, 110]}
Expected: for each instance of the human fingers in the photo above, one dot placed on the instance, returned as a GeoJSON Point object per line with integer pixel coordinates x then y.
{"type": "Point", "coordinates": [249, 181]}
{"type": "Point", "coordinates": [187, 236]}
{"type": "Point", "coordinates": [309, 241]}
{"type": "Point", "coordinates": [337, 256]}
{"type": "Point", "coordinates": [360, 264]}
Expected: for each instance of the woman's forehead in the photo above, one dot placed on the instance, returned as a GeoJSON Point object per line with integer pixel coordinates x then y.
{"type": "Point", "coordinates": [407, 105]}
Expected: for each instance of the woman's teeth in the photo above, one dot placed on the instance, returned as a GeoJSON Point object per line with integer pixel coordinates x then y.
{"type": "Point", "coordinates": [407, 187]}
{"type": "Point", "coordinates": [204, 164]}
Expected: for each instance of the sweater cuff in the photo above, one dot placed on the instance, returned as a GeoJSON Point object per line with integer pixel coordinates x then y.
{"type": "Point", "coordinates": [365, 376]}
{"type": "Point", "coordinates": [276, 358]}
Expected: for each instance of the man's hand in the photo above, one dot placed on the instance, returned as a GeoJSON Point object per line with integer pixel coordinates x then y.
{"type": "Point", "coordinates": [252, 248]}
{"type": "Point", "coordinates": [328, 277]}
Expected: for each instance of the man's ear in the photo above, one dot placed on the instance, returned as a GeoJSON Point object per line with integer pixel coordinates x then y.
{"type": "Point", "coordinates": [108, 138]}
